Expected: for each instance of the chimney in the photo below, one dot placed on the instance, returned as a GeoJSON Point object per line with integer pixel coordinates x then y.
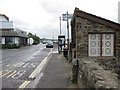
{"type": "Point", "coordinates": [119, 12]}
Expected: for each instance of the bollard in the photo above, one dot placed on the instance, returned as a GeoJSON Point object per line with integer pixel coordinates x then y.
{"type": "Point", "coordinates": [65, 52]}
{"type": "Point", "coordinates": [75, 70]}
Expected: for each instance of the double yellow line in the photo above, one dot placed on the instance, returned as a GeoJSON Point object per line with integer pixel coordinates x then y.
{"type": "Point", "coordinates": [36, 71]}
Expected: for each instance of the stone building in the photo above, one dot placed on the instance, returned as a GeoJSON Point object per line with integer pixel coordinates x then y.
{"type": "Point", "coordinates": [93, 36]}
{"type": "Point", "coordinates": [96, 46]}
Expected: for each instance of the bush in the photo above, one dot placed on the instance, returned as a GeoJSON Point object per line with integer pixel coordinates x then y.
{"type": "Point", "coordinates": [35, 42]}
{"type": "Point", "coordinates": [35, 38]}
{"type": "Point", "coordinates": [9, 46]}
{"type": "Point", "coordinates": [0, 46]}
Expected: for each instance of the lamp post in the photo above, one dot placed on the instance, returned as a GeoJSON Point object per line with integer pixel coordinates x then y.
{"type": "Point", "coordinates": [68, 30]}
{"type": "Point", "coordinates": [119, 12]}
{"type": "Point", "coordinates": [68, 33]}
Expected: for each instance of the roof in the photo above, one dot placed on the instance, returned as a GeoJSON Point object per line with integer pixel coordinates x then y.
{"type": "Point", "coordinates": [5, 16]}
{"type": "Point", "coordinates": [80, 13]}
{"type": "Point", "coordinates": [22, 35]}
{"type": "Point", "coordinates": [13, 34]}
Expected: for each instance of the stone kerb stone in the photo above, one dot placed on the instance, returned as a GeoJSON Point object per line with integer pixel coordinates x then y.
{"type": "Point", "coordinates": [95, 76]}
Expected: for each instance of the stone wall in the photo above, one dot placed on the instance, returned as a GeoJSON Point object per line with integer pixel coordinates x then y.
{"type": "Point", "coordinates": [92, 75]}
{"type": "Point", "coordinates": [83, 27]}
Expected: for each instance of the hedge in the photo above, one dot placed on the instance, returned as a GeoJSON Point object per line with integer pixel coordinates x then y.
{"type": "Point", "coordinates": [9, 46]}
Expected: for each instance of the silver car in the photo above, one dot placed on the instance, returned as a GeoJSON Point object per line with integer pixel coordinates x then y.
{"type": "Point", "coordinates": [49, 44]}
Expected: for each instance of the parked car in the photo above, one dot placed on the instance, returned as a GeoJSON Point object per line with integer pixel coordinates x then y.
{"type": "Point", "coordinates": [49, 44]}
{"type": "Point", "coordinates": [44, 42]}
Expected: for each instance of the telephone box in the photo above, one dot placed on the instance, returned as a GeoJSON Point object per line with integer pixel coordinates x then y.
{"type": "Point", "coordinates": [61, 42]}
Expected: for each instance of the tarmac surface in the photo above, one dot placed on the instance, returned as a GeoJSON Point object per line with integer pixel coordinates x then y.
{"type": "Point", "coordinates": [57, 73]}
{"type": "Point", "coordinates": [54, 73]}
{"type": "Point", "coordinates": [18, 64]}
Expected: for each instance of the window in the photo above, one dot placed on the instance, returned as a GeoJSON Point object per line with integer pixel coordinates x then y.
{"type": "Point", "coordinates": [101, 45]}
{"type": "Point", "coordinates": [9, 40]}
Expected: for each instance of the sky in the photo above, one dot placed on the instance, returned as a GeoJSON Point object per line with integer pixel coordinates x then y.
{"type": "Point", "coordinates": [41, 17]}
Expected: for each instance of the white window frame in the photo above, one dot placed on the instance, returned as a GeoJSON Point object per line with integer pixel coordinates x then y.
{"type": "Point", "coordinates": [98, 47]}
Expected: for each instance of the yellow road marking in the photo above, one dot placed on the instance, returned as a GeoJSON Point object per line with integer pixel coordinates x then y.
{"type": "Point", "coordinates": [18, 74]}
{"type": "Point", "coordinates": [11, 74]}
{"type": "Point", "coordinates": [24, 84]}
{"type": "Point", "coordinates": [15, 65]}
{"type": "Point", "coordinates": [21, 74]}
{"type": "Point", "coordinates": [20, 64]}
{"type": "Point", "coordinates": [8, 65]}
{"type": "Point", "coordinates": [40, 66]}
{"type": "Point", "coordinates": [0, 72]}
{"type": "Point", "coordinates": [6, 73]}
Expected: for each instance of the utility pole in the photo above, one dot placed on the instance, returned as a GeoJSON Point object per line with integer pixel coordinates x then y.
{"type": "Point", "coordinates": [53, 35]}
{"type": "Point", "coordinates": [68, 34]}
{"type": "Point", "coordinates": [60, 25]}
{"type": "Point", "coordinates": [119, 12]}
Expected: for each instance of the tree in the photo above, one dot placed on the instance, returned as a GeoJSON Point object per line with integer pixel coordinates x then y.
{"type": "Point", "coordinates": [35, 38]}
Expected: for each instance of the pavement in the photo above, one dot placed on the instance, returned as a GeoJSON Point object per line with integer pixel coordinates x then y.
{"type": "Point", "coordinates": [57, 73]}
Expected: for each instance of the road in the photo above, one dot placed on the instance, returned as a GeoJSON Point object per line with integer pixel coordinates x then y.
{"type": "Point", "coordinates": [18, 64]}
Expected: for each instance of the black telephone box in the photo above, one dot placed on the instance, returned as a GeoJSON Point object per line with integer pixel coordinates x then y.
{"type": "Point", "coordinates": [61, 42]}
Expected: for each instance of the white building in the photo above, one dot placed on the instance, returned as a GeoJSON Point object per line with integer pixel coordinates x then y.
{"type": "Point", "coordinates": [30, 41]}
{"type": "Point", "coordinates": [9, 35]}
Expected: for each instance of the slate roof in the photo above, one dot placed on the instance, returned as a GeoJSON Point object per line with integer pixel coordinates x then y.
{"type": "Point", "coordinates": [80, 13]}
{"type": "Point", "coordinates": [13, 34]}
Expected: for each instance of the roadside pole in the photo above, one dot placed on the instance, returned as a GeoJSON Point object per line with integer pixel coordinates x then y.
{"type": "Point", "coordinates": [68, 34]}
{"type": "Point", "coordinates": [60, 25]}
{"type": "Point", "coordinates": [29, 41]}
{"type": "Point", "coordinates": [66, 17]}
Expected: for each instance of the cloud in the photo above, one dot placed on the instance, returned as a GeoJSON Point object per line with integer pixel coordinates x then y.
{"type": "Point", "coordinates": [46, 32]}
{"type": "Point", "coordinates": [55, 6]}
{"type": "Point", "coordinates": [19, 24]}
{"type": "Point", "coordinates": [42, 16]}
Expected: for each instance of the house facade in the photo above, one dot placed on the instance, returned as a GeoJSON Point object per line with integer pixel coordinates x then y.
{"type": "Point", "coordinates": [10, 35]}
{"type": "Point", "coordinates": [93, 36]}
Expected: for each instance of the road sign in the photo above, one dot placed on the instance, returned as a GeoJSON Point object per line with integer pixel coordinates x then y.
{"type": "Point", "coordinates": [64, 16]}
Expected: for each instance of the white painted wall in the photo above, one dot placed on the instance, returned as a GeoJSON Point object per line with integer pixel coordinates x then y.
{"type": "Point", "coordinates": [30, 41]}
{"type": "Point", "coordinates": [3, 40]}
{"type": "Point", "coordinates": [6, 24]}
{"type": "Point", "coordinates": [2, 18]}
{"type": "Point", "coordinates": [17, 40]}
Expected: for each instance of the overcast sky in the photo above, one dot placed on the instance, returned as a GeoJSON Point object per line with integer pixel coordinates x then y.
{"type": "Point", "coordinates": [41, 17]}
